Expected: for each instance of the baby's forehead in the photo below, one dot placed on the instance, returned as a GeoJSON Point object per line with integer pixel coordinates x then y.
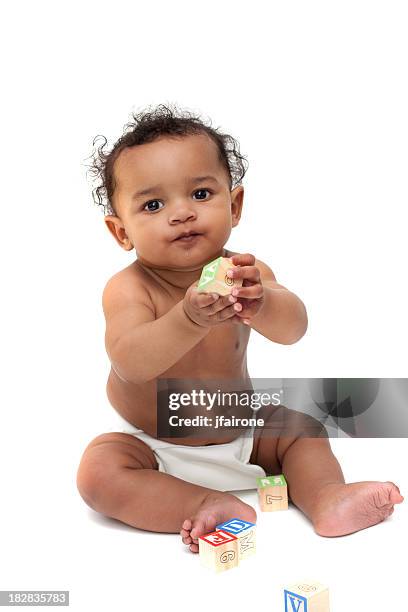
{"type": "Point", "coordinates": [192, 155]}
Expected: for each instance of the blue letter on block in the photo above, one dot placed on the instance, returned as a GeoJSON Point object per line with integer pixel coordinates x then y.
{"type": "Point", "coordinates": [294, 602]}
{"type": "Point", "coordinates": [235, 526]}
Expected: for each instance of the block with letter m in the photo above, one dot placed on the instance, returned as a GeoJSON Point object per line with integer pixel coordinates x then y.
{"type": "Point", "coordinates": [246, 534]}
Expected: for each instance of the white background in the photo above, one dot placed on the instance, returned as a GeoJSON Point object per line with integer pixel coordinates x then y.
{"type": "Point", "coordinates": [316, 93]}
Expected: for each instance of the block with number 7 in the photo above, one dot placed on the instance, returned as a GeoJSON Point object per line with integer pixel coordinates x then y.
{"type": "Point", "coordinates": [273, 493]}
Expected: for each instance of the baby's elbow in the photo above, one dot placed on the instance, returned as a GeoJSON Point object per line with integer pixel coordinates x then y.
{"type": "Point", "coordinates": [133, 377]}
{"type": "Point", "coordinates": [298, 330]}
{"type": "Point", "coordinates": [295, 338]}
{"type": "Point", "coordinates": [120, 365]}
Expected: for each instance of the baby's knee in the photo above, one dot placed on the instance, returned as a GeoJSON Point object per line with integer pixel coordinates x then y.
{"type": "Point", "coordinates": [105, 467]}
{"type": "Point", "coordinates": [92, 480]}
{"type": "Point", "coordinates": [96, 473]}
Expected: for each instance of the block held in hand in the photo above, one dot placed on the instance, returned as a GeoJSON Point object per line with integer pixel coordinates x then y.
{"type": "Point", "coordinates": [214, 277]}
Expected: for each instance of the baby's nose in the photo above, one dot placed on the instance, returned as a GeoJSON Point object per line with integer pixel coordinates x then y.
{"type": "Point", "coordinates": [182, 213]}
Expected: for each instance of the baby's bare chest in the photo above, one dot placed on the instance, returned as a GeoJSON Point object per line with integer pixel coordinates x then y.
{"type": "Point", "coordinates": [220, 354]}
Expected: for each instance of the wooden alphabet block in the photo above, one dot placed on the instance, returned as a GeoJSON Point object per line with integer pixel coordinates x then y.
{"type": "Point", "coordinates": [307, 597]}
{"type": "Point", "coordinates": [214, 277]}
{"type": "Point", "coordinates": [218, 550]}
{"type": "Point", "coordinates": [273, 493]}
{"type": "Point", "coordinates": [246, 534]}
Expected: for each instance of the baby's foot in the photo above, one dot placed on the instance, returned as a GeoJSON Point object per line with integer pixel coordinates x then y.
{"type": "Point", "coordinates": [345, 508]}
{"type": "Point", "coordinates": [216, 508]}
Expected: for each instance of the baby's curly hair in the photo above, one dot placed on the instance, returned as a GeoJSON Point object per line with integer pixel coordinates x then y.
{"type": "Point", "coordinates": [147, 126]}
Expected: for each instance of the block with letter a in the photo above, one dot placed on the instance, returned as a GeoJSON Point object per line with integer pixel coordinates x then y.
{"type": "Point", "coordinates": [246, 534]}
{"type": "Point", "coordinates": [307, 597]}
{"type": "Point", "coordinates": [218, 550]}
{"type": "Point", "coordinates": [273, 493]}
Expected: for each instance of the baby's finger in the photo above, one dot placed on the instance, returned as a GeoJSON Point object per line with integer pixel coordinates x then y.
{"type": "Point", "coordinates": [243, 259]}
{"type": "Point", "coordinates": [245, 272]}
{"type": "Point", "coordinates": [220, 304]}
{"type": "Point", "coordinates": [202, 300]}
{"type": "Point", "coordinates": [252, 293]}
{"type": "Point", "coordinates": [226, 313]}
{"type": "Point", "coordinates": [238, 320]}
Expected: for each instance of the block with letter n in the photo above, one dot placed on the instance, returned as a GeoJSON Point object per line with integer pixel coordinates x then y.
{"type": "Point", "coordinates": [246, 534]}
{"type": "Point", "coordinates": [218, 550]}
{"type": "Point", "coordinates": [273, 493]}
{"type": "Point", "coordinates": [307, 597]}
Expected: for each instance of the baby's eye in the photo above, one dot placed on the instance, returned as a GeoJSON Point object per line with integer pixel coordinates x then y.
{"type": "Point", "coordinates": [201, 191]}
{"type": "Point", "coordinates": [151, 206]}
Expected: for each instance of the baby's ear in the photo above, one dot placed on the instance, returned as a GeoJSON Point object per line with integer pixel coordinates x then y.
{"type": "Point", "coordinates": [117, 229]}
{"type": "Point", "coordinates": [237, 200]}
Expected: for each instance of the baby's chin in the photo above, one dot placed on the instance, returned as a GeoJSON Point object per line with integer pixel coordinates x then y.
{"type": "Point", "coordinates": [188, 260]}
{"type": "Point", "coordinates": [189, 264]}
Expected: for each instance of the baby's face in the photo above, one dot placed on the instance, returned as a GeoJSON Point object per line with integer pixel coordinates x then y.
{"type": "Point", "coordinates": [175, 201]}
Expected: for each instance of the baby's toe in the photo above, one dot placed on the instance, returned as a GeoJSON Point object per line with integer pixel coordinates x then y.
{"type": "Point", "coordinates": [185, 534]}
{"type": "Point", "coordinates": [198, 529]}
{"type": "Point", "coordinates": [395, 496]}
{"type": "Point", "coordinates": [194, 548]}
{"type": "Point", "coordinates": [386, 495]}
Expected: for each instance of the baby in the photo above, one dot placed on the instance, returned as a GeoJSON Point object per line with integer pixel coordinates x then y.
{"type": "Point", "coordinates": [173, 193]}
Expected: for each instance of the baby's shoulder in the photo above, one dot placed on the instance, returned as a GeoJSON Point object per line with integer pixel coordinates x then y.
{"type": "Point", "coordinates": [125, 288]}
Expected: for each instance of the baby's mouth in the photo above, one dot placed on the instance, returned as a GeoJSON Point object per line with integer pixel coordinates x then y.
{"type": "Point", "coordinates": [188, 237]}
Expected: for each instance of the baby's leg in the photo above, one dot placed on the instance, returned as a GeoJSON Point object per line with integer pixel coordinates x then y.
{"type": "Point", "coordinates": [118, 476]}
{"type": "Point", "coordinates": [316, 482]}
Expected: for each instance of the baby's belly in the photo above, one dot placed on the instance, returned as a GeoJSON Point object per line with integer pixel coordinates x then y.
{"type": "Point", "coordinates": [137, 404]}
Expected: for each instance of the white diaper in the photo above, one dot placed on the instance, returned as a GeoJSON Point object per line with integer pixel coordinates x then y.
{"type": "Point", "coordinates": [224, 467]}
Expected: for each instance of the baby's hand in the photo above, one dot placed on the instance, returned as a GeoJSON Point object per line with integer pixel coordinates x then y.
{"type": "Point", "coordinates": [209, 309]}
{"type": "Point", "coordinates": [251, 294]}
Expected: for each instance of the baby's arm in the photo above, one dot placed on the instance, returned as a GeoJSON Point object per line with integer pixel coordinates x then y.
{"type": "Point", "coordinates": [283, 316]}
{"type": "Point", "coordinates": [139, 346]}
{"type": "Point", "coordinates": [270, 308]}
